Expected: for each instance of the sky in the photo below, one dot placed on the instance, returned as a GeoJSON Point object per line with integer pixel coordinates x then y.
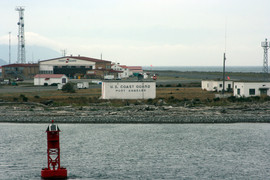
{"type": "Point", "coordinates": [145, 32]}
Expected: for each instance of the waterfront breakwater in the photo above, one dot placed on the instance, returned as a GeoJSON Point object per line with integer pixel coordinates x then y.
{"type": "Point", "coordinates": [35, 113]}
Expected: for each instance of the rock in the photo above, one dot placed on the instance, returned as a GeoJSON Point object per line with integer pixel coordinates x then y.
{"type": "Point", "coordinates": [167, 107]}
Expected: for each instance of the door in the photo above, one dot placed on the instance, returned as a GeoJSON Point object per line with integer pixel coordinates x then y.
{"type": "Point", "coordinates": [263, 92]}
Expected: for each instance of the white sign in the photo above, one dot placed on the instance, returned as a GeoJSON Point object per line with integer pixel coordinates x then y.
{"type": "Point", "coordinates": [128, 90]}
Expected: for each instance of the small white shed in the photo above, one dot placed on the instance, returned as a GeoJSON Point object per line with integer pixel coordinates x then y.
{"type": "Point", "coordinates": [248, 89]}
{"type": "Point", "coordinates": [49, 79]}
{"type": "Point", "coordinates": [214, 85]}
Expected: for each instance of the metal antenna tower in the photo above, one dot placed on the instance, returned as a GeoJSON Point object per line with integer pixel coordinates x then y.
{"type": "Point", "coordinates": [265, 46]}
{"type": "Point", "coordinates": [21, 38]}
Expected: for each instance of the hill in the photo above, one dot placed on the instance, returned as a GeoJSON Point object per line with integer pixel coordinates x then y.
{"type": "Point", "coordinates": [33, 53]}
{"type": "Point", "coordinates": [2, 62]}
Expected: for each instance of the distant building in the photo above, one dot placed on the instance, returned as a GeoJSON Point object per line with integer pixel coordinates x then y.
{"type": "Point", "coordinates": [76, 67]}
{"type": "Point", "coordinates": [216, 85]}
{"type": "Point", "coordinates": [22, 71]}
{"type": "Point", "coordinates": [124, 72]}
{"type": "Point", "coordinates": [49, 79]}
{"type": "Point", "coordinates": [135, 70]}
{"type": "Point", "coordinates": [0, 71]}
{"type": "Point", "coordinates": [248, 89]}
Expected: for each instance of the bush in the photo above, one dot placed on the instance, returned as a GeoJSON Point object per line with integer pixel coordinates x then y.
{"type": "Point", "coordinates": [15, 99]}
{"type": "Point", "coordinates": [179, 85]}
{"type": "Point", "coordinates": [24, 98]}
{"type": "Point", "coordinates": [68, 88]}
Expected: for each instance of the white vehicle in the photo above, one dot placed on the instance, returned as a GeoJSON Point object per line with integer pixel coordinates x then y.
{"type": "Point", "coordinates": [83, 85]}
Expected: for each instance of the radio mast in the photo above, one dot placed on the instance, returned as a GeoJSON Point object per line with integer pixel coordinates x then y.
{"type": "Point", "coordinates": [265, 45]}
{"type": "Point", "coordinates": [21, 38]}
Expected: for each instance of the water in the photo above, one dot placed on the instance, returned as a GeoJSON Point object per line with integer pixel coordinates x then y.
{"type": "Point", "coordinates": [257, 69]}
{"type": "Point", "coordinates": [140, 151]}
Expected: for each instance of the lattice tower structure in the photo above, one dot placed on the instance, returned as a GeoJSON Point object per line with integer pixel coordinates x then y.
{"type": "Point", "coordinates": [21, 37]}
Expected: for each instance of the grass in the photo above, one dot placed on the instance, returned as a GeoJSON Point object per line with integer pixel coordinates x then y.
{"type": "Point", "coordinates": [85, 97]}
{"type": "Point", "coordinates": [179, 96]}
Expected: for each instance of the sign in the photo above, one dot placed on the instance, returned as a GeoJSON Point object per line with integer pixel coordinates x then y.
{"type": "Point", "coordinates": [128, 90]}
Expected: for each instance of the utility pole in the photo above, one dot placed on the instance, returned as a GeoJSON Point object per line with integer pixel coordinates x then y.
{"type": "Point", "coordinates": [223, 86]}
{"type": "Point", "coordinates": [9, 49]}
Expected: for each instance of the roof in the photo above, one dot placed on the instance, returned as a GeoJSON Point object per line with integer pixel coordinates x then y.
{"type": "Point", "coordinates": [80, 58]}
{"type": "Point", "coordinates": [21, 65]}
{"type": "Point", "coordinates": [49, 75]}
{"type": "Point", "coordinates": [108, 70]}
{"type": "Point", "coordinates": [134, 67]}
{"type": "Point", "coordinates": [123, 66]}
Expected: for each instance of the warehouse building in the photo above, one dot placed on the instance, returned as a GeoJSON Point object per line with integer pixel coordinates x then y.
{"type": "Point", "coordinates": [77, 67]}
{"type": "Point", "coordinates": [19, 71]}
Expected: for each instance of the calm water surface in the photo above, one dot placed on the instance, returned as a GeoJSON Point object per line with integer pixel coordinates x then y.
{"type": "Point", "coordinates": [140, 151]}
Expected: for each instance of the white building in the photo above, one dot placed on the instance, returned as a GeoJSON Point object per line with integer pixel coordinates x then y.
{"type": "Point", "coordinates": [128, 90]}
{"type": "Point", "coordinates": [248, 89]}
{"type": "Point", "coordinates": [49, 79]}
{"type": "Point", "coordinates": [125, 71]}
{"type": "Point", "coordinates": [213, 85]}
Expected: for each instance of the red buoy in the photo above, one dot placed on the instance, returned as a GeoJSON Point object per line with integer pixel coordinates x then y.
{"type": "Point", "coordinates": [54, 170]}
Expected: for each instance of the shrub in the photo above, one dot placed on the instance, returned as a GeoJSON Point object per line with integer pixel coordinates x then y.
{"type": "Point", "coordinates": [68, 88]}
{"type": "Point", "coordinates": [168, 85]}
{"type": "Point", "coordinates": [232, 98]}
{"type": "Point", "coordinates": [150, 101]}
{"type": "Point", "coordinates": [25, 99]}
{"type": "Point", "coordinates": [179, 85]}
{"type": "Point", "coordinates": [15, 99]}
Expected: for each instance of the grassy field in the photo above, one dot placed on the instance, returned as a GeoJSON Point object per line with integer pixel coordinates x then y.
{"type": "Point", "coordinates": [173, 87]}
{"type": "Point", "coordinates": [87, 96]}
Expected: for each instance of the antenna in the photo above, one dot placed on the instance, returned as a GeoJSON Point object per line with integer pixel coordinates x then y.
{"type": "Point", "coordinates": [21, 38]}
{"type": "Point", "coordinates": [265, 45]}
{"type": "Point", "coordinates": [224, 58]}
{"type": "Point", "coordinates": [63, 52]}
{"type": "Point", "coordinates": [9, 49]}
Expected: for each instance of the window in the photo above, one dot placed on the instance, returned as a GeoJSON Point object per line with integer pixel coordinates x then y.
{"type": "Point", "coordinates": [251, 91]}
{"type": "Point", "coordinates": [220, 85]}
{"type": "Point", "coordinates": [238, 91]}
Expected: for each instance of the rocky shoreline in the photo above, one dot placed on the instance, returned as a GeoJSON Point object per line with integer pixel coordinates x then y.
{"type": "Point", "coordinates": [39, 113]}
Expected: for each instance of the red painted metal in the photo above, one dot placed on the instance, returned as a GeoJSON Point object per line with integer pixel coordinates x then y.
{"type": "Point", "coordinates": [54, 169]}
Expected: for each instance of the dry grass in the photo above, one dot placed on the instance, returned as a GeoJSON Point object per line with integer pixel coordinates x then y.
{"type": "Point", "coordinates": [86, 96]}
{"type": "Point", "coordinates": [184, 93]}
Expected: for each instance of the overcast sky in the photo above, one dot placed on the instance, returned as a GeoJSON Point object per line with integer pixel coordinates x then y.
{"type": "Point", "coordinates": [145, 32]}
